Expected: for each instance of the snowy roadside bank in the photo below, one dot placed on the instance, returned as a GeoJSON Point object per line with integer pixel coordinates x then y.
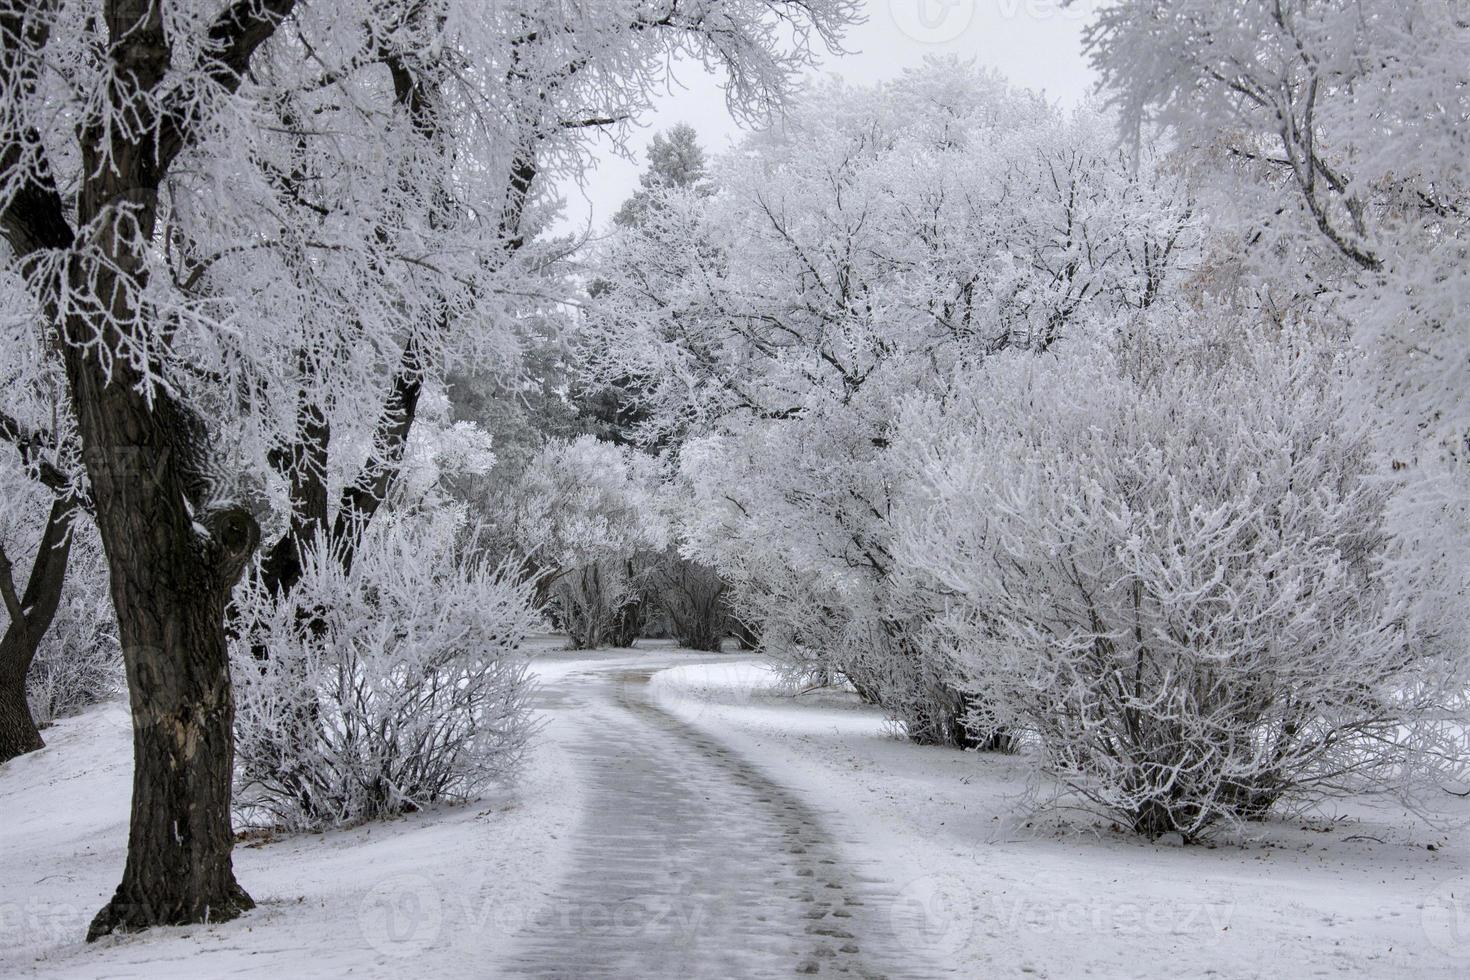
{"type": "Point", "coordinates": [981, 887]}
{"type": "Point", "coordinates": [436, 893]}
{"type": "Point", "coordinates": [999, 893]}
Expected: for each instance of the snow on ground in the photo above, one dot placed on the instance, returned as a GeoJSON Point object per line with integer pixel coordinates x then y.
{"type": "Point", "coordinates": [1001, 891]}
{"type": "Point", "coordinates": [433, 894]}
{"type": "Point", "coordinates": [983, 886]}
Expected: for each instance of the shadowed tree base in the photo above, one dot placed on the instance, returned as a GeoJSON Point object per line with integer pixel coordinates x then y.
{"type": "Point", "coordinates": [131, 913]}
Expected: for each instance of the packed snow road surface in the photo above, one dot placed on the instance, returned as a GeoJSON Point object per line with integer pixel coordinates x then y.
{"type": "Point", "coordinates": [689, 863]}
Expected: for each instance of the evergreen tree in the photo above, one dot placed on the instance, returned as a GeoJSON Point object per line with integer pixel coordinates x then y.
{"type": "Point", "coordinates": [675, 161]}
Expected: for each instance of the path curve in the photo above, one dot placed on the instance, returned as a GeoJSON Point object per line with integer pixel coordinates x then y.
{"type": "Point", "coordinates": [689, 862]}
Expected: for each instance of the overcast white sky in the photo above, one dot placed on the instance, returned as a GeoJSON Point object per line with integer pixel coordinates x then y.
{"type": "Point", "coordinates": [1035, 43]}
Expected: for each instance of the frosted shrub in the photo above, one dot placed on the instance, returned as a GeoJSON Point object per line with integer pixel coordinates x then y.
{"type": "Point", "coordinates": [690, 597]}
{"type": "Point", "coordinates": [598, 604]}
{"type": "Point", "coordinates": [586, 516]}
{"type": "Point", "coordinates": [912, 675]}
{"type": "Point", "coordinates": [78, 662]}
{"type": "Point", "coordinates": [693, 596]}
{"type": "Point", "coordinates": [390, 684]}
{"type": "Point", "coordinates": [1164, 563]}
{"type": "Point", "coordinates": [814, 582]}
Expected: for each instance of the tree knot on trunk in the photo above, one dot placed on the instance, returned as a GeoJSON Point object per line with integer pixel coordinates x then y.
{"type": "Point", "coordinates": [233, 535]}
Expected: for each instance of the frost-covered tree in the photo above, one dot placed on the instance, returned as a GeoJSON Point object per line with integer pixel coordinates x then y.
{"type": "Point", "coordinates": [241, 223]}
{"type": "Point", "coordinates": [1162, 556]}
{"type": "Point", "coordinates": [676, 164]}
{"type": "Point", "coordinates": [43, 502]}
{"type": "Point", "coordinates": [1333, 134]}
{"type": "Point", "coordinates": [70, 660]}
{"type": "Point", "coordinates": [861, 252]}
{"type": "Point", "coordinates": [587, 519]}
{"type": "Point", "coordinates": [675, 161]}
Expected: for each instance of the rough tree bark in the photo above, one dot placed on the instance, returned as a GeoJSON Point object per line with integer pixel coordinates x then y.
{"type": "Point", "coordinates": [30, 614]}
{"type": "Point", "coordinates": [173, 554]}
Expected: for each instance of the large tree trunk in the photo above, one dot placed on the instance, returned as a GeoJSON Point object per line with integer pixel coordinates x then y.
{"type": "Point", "coordinates": [30, 617]}
{"type": "Point", "coordinates": [174, 552]}
{"type": "Point", "coordinates": [179, 868]}
{"type": "Point", "coordinates": [174, 555]}
{"type": "Point", "coordinates": [170, 583]}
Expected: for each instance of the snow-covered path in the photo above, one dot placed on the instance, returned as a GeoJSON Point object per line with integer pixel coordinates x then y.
{"type": "Point", "coordinates": [689, 863]}
{"type": "Point", "coordinates": [707, 823]}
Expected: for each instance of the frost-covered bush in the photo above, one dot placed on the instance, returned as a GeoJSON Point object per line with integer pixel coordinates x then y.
{"type": "Point", "coordinates": [587, 522]}
{"type": "Point", "coordinates": [797, 519]}
{"type": "Point", "coordinates": [689, 599]}
{"type": "Point", "coordinates": [692, 595]}
{"type": "Point", "coordinates": [1163, 560]}
{"type": "Point", "coordinates": [388, 684]}
{"type": "Point", "coordinates": [599, 603]}
{"type": "Point", "coordinates": [78, 662]}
